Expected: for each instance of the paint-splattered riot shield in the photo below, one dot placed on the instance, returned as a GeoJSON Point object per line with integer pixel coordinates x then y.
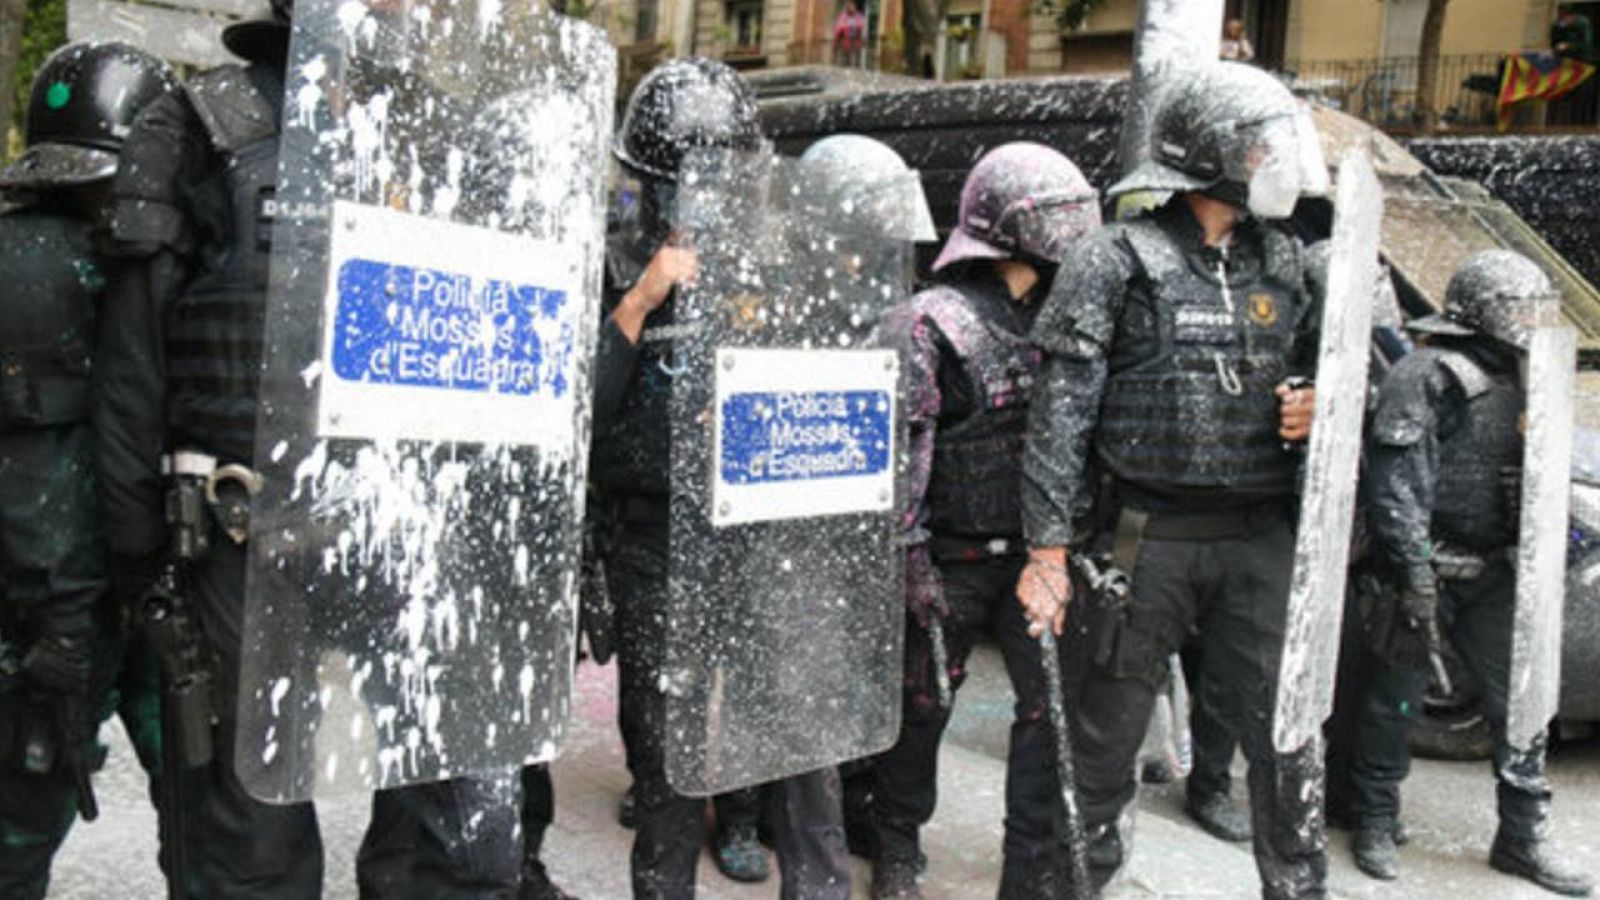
{"type": "Point", "coordinates": [786, 584]}
{"type": "Point", "coordinates": [1328, 493]}
{"type": "Point", "coordinates": [1534, 685]}
{"type": "Point", "coordinates": [424, 416]}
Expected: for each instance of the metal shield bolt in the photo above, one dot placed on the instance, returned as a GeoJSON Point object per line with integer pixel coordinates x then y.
{"type": "Point", "coordinates": [727, 362]}
{"type": "Point", "coordinates": [723, 509]}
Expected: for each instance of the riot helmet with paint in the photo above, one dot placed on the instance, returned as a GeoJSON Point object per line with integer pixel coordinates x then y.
{"type": "Point", "coordinates": [1498, 293]}
{"type": "Point", "coordinates": [865, 188]}
{"type": "Point", "coordinates": [1235, 133]}
{"type": "Point", "coordinates": [682, 105]}
{"type": "Point", "coordinates": [1022, 201]}
{"type": "Point", "coordinates": [83, 102]}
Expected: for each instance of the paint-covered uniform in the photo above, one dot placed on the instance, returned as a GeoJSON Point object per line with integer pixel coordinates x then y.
{"type": "Point", "coordinates": [1161, 356]}
{"type": "Point", "coordinates": [64, 662]}
{"type": "Point", "coordinates": [178, 368]}
{"type": "Point", "coordinates": [969, 373]}
{"type": "Point", "coordinates": [1443, 444]}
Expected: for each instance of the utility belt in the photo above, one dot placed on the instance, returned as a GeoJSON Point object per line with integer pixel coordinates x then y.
{"type": "Point", "coordinates": [1134, 526]}
{"type": "Point", "coordinates": [201, 493]}
{"type": "Point", "coordinates": [1127, 641]}
{"type": "Point", "coordinates": [956, 548]}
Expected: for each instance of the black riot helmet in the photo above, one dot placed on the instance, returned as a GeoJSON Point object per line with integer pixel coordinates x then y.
{"type": "Point", "coordinates": [1233, 132]}
{"type": "Point", "coordinates": [84, 100]}
{"type": "Point", "coordinates": [681, 105]}
{"type": "Point", "coordinates": [1498, 293]}
{"type": "Point", "coordinates": [261, 40]}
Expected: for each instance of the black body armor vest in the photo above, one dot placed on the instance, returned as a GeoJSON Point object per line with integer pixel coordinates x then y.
{"type": "Point", "coordinates": [1188, 403]}
{"type": "Point", "coordinates": [1477, 451]}
{"type": "Point", "coordinates": [215, 330]}
{"type": "Point", "coordinates": [47, 326]}
{"type": "Point", "coordinates": [974, 488]}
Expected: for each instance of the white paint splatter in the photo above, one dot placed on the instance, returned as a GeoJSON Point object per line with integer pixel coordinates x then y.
{"type": "Point", "coordinates": [280, 689]}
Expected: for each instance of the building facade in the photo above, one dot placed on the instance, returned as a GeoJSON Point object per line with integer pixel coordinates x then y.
{"type": "Point", "coordinates": [992, 38]}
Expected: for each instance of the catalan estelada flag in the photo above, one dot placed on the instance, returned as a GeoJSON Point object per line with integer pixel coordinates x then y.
{"type": "Point", "coordinates": [1532, 75]}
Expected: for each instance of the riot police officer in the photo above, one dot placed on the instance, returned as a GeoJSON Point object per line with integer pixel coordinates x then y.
{"type": "Point", "coordinates": [60, 634]}
{"type": "Point", "coordinates": [1444, 446]}
{"type": "Point", "coordinates": [177, 391]}
{"type": "Point", "coordinates": [680, 105]}
{"type": "Point", "coordinates": [1165, 400]}
{"type": "Point", "coordinates": [970, 372]}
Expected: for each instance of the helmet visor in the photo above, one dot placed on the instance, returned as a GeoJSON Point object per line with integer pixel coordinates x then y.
{"type": "Point", "coordinates": [1046, 226]}
{"type": "Point", "coordinates": [1514, 318]}
{"type": "Point", "coordinates": [892, 207]}
{"type": "Point", "coordinates": [1278, 159]}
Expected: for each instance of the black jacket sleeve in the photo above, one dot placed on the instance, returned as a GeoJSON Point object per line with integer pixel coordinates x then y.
{"type": "Point", "coordinates": [1074, 333]}
{"type": "Point", "coordinates": [1402, 463]}
{"type": "Point", "coordinates": [616, 357]}
{"type": "Point", "coordinates": [128, 406]}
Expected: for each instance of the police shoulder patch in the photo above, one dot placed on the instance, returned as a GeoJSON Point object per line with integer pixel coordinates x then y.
{"type": "Point", "coordinates": [1262, 308]}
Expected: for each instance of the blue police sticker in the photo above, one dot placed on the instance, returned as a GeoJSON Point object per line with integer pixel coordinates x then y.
{"type": "Point", "coordinates": [778, 436]}
{"type": "Point", "coordinates": [431, 328]}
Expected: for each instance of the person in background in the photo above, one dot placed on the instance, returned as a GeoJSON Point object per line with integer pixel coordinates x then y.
{"type": "Point", "coordinates": [1235, 46]}
{"type": "Point", "coordinates": [849, 35]}
{"type": "Point", "coordinates": [1572, 36]}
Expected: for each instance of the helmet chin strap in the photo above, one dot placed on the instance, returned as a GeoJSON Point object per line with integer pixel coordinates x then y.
{"type": "Point", "coordinates": [1233, 193]}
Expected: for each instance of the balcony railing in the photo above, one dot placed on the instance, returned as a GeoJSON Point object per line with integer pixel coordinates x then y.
{"type": "Point", "coordinates": [1384, 92]}
{"type": "Point", "coordinates": [871, 55]}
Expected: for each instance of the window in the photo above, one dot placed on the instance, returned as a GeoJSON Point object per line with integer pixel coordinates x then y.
{"type": "Point", "coordinates": [644, 27]}
{"type": "Point", "coordinates": [744, 22]}
{"type": "Point", "coordinates": [963, 54]}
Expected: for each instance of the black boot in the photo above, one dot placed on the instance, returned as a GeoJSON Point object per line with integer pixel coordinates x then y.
{"type": "Point", "coordinates": [1538, 862]}
{"type": "Point", "coordinates": [895, 879]}
{"type": "Point", "coordinates": [536, 884]}
{"type": "Point", "coordinates": [739, 855]}
{"type": "Point", "coordinates": [1374, 848]}
{"type": "Point", "coordinates": [1219, 817]}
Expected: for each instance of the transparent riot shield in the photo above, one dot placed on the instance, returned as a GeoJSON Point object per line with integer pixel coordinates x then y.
{"type": "Point", "coordinates": [424, 412]}
{"type": "Point", "coordinates": [1328, 488]}
{"type": "Point", "coordinates": [1534, 685]}
{"type": "Point", "coordinates": [785, 612]}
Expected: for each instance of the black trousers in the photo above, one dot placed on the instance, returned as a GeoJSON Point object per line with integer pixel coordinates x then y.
{"type": "Point", "coordinates": [981, 595]}
{"type": "Point", "coordinates": [1211, 740]}
{"type": "Point", "coordinates": [1379, 701]}
{"type": "Point", "coordinates": [51, 556]}
{"type": "Point", "coordinates": [452, 839]}
{"type": "Point", "coordinates": [1234, 590]}
{"type": "Point", "coordinates": [804, 809]}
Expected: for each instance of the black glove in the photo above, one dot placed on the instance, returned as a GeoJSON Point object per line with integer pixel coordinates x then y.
{"type": "Point", "coordinates": [1414, 638]}
{"type": "Point", "coordinates": [59, 664]}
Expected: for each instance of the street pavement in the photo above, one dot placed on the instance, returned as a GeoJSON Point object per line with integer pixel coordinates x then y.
{"type": "Point", "coordinates": [1449, 808]}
